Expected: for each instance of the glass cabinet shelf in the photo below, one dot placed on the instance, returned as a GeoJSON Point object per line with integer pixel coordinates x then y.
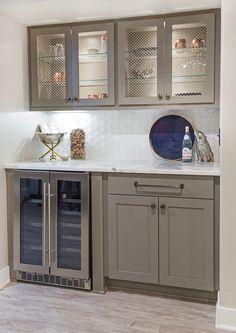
{"type": "Point", "coordinates": [189, 78]}
{"type": "Point", "coordinates": [93, 83]}
{"type": "Point", "coordinates": [143, 52]}
{"type": "Point", "coordinates": [87, 58]}
{"type": "Point", "coordinates": [189, 52]}
{"type": "Point", "coordinates": [51, 60]}
{"type": "Point", "coordinates": [148, 80]}
{"type": "Point", "coordinates": [53, 83]}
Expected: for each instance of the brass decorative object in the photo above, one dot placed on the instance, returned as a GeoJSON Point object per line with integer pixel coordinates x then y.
{"type": "Point", "coordinates": [51, 141]}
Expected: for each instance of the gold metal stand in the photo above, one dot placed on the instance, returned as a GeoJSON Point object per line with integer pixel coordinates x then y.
{"type": "Point", "coordinates": [51, 141]}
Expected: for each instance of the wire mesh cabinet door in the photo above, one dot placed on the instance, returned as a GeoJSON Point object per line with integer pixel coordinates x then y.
{"type": "Point", "coordinates": [140, 62]}
{"type": "Point", "coordinates": [189, 50]}
{"type": "Point", "coordinates": [50, 58]}
{"type": "Point", "coordinates": [93, 65]}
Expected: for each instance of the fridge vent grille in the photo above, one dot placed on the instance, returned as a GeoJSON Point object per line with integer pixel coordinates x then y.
{"type": "Point", "coordinates": [53, 280]}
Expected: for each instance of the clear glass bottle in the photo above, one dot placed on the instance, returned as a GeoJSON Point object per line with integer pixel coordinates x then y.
{"type": "Point", "coordinates": [187, 146]}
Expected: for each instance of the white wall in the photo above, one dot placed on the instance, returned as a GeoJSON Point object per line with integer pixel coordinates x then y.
{"type": "Point", "coordinates": [17, 126]}
{"type": "Point", "coordinates": [226, 308]}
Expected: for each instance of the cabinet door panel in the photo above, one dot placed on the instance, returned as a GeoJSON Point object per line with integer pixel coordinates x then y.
{"type": "Point", "coordinates": [140, 62]}
{"type": "Point", "coordinates": [133, 236]}
{"type": "Point", "coordinates": [186, 243]}
{"type": "Point", "coordinates": [190, 53]}
{"type": "Point", "coordinates": [30, 227]}
{"type": "Point", "coordinates": [93, 64]}
{"type": "Point", "coordinates": [69, 225]}
{"type": "Point", "coordinates": [51, 66]}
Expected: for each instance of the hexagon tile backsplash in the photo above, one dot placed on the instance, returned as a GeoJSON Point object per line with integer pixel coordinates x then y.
{"type": "Point", "coordinates": [124, 134]}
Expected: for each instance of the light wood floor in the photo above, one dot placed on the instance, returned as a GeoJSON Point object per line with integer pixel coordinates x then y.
{"type": "Point", "coordinates": [33, 308]}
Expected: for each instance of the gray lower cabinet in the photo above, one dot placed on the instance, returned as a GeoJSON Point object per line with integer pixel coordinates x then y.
{"type": "Point", "coordinates": [161, 233]}
{"type": "Point", "coordinates": [133, 238]}
{"type": "Point", "coordinates": [186, 243]}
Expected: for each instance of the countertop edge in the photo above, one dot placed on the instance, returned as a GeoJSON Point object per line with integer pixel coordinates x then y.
{"type": "Point", "coordinates": [58, 166]}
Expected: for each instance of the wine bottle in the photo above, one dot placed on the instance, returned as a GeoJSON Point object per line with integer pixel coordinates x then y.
{"type": "Point", "coordinates": [187, 146]}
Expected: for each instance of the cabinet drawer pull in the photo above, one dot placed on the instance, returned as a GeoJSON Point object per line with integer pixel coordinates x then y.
{"type": "Point", "coordinates": [167, 96]}
{"type": "Point", "coordinates": [181, 186]}
{"type": "Point", "coordinates": [153, 206]}
{"type": "Point", "coordinates": [160, 96]}
{"type": "Point", "coordinates": [162, 206]}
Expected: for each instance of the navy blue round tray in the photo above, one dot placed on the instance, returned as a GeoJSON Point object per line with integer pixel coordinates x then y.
{"type": "Point", "coordinates": [166, 136]}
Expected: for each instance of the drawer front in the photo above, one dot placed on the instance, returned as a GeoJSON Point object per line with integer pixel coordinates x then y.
{"type": "Point", "coordinates": [178, 186]}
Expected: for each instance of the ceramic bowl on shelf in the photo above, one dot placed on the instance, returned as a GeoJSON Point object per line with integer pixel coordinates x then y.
{"type": "Point", "coordinates": [50, 138]}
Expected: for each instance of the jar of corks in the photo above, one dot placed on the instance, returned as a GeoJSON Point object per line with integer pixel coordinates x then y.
{"type": "Point", "coordinates": [77, 137]}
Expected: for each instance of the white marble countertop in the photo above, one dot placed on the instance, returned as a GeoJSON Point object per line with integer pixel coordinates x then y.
{"type": "Point", "coordinates": [149, 167]}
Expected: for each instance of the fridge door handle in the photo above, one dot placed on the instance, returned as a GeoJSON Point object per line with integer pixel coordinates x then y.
{"type": "Point", "coordinates": [49, 224]}
{"type": "Point", "coordinates": [51, 233]}
{"type": "Point", "coordinates": [45, 251]}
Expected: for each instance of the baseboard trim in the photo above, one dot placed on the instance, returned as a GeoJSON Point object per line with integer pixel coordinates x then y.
{"type": "Point", "coordinates": [4, 277]}
{"type": "Point", "coordinates": [163, 291]}
{"type": "Point", "coordinates": [225, 318]}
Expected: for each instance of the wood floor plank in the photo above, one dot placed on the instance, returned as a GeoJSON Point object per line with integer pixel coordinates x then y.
{"type": "Point", "coordinates": [33, 308]}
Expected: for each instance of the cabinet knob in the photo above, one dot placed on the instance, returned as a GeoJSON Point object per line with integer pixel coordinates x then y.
{"type": "Point", "coordinates": [160, 96]}
{"type": "Point", "coordinates": [68, 99]}
{"type": "Point", "coordinates": [153, 206]}
{"type": "Point", "coordinates": [162, 206]}
{"type": "Point", "coordinates": [167, 96]}
{"type": "Point", "coordinates": [75, 99]}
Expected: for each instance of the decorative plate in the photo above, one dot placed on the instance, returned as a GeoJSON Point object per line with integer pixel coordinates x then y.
{"type": "Point", "coordinates": [166, 136]}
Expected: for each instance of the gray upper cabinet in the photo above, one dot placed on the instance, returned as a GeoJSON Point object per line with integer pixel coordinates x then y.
{"type": "Point", "coordinates": [163, 60]}
{"type": "Point", "coordinates": [72, 66]}
{"type": "Point", "coordinates": [133, 238]}
{"type": "Point", "coordinates": [167, 61]}
{"type": "Point", "coordinates": [190, 53]}
{"type": "Point", "coordinates": [140, 62]}
{"type": "Point", "coordinates": [93, 65]}
{"type": "Point", "coordinates": [50, 70]}
{"type": "Point", "coordinates": [186, 256]}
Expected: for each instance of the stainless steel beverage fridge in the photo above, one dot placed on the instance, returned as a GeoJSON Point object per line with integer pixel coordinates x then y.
{"type": "Point", "coordinates": [51, 228]}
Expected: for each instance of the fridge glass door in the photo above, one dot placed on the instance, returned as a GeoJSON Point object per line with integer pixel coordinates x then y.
{"type": "Point", "coordinates": [30, 242]}
{"type": "Point", "coordinates": [31, 222]}
{"type": "Point", "coordinates": [70, 227]}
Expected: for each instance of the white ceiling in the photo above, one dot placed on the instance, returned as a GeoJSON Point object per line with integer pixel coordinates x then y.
{"type": "Point", "coordinates": [33, 12]}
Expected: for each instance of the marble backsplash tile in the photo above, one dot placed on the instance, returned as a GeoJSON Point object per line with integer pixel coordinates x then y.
{"type": "Point", "coordinates": [124, 134]}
